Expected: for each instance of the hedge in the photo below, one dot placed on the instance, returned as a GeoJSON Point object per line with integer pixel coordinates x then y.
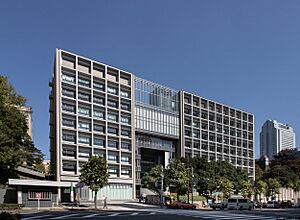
{"type": "Point", "coordinates": [11, 206]}
{"type": "Point", "coordinates": [9, 216]}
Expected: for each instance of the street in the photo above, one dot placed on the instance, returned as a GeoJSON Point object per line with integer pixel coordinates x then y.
{"type": "Point", "coordinates": [166, 214]}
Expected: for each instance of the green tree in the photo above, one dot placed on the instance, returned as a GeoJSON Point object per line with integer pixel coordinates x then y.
{"type": "Point", "coordinates": [94, 174]}
{"type": "Point", "coordinates": [260, 188]}
{"type": "Point", "coordinates": [151, 177]}
{"type": "Point", "coordinates": [225, 186]}
{"type": "Point", "coordinates": [16, 146]}
{"type": "Point", "coordinates": [273, 186]}
{"type": "Point", "coordinates": [176, 176]}
{"type": "Point", "coordinates": [247, 190]}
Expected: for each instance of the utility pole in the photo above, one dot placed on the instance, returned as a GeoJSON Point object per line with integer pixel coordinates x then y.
{"type": "Point", "coordinates": [192, 185]}
{"type": "Point", "coordinates": [162, 185]}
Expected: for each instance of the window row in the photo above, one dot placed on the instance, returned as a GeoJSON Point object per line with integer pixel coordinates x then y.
{"type": "Point", "coordinates": [212, 106]}
{"type": "Point", "coordinates": [212, 125]}
{"type": "Point", "coordinates": [215, 136]}
{"type": "Point", "coordinates": [98, 70]}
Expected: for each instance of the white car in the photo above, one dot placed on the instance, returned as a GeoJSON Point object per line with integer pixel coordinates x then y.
{"type": "Point", "coordinates": [273, 204]}
{"type": "Point", "coordinates": [239, 204]}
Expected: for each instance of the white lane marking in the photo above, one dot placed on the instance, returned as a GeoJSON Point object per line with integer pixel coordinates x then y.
{"type": "Point", "coordinates": [134, 213]}
{"type": "Point", "coordinates": [152, 213]}
{"type": "Point", "coordinates": [34, 217]}
{"type": "Point", "coordinates": [114, 214]}
{"type": "Point", "coordinates": [91, 215]}
{"type": "Point", "coordinates": [64, 216]}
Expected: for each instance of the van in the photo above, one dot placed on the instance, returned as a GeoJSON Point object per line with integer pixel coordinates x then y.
{"type": "Point", "coordinates": [239, 204]}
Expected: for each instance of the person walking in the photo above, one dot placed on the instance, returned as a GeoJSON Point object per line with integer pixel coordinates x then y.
{"type": "Point", "coordinates": [105, 202]}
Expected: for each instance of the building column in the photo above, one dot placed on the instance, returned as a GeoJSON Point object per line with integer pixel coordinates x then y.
{"type": "Point", "coordinates": [19, 194]}
{"type": "Point", "coordinates": [58, 200]}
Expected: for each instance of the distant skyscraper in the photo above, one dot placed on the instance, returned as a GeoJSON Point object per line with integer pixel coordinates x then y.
{"type": "Point", "coordinates": [275, 137]}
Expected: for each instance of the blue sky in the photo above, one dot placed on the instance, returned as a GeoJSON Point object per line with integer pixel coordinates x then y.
{"type": "Point", "coordinates": [241, 53]}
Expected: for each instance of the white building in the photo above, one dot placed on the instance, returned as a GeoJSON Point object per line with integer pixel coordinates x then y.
{"type": "Point", "coordinates": [275, 137]}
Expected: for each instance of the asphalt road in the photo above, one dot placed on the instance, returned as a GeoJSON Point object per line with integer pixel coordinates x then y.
{"type": "Point", "coordinates": [166, 214]}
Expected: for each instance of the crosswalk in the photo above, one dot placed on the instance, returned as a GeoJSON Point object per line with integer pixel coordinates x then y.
{"type": "Point", "coordinates": [222, 215]}
{"type": "Point", "coordinates": [86, 215]}
{"type": "Point", "coordinates": [209, 215]}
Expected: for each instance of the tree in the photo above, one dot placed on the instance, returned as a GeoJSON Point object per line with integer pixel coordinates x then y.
{"type": "Point", "coordinates": [151, 177]}
{"type": "Point", "coordinates": [225, 186]}
{"type": "Point", "coordinates": [176, 176]}
{"type": "Point", "coordinates": [273, 187]}
{"type": "Point", "coordinates": [16, 146]}
{"type": "Point", "coordinates": [260, 188]}
{"type": "Point", "coordinates": [94, 174]}
{"type": "Point", "coordinates": [247, 190]}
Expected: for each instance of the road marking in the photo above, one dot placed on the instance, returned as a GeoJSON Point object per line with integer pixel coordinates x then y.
{"type": "Point", "coordinates": [114, 214]}
{"type": "Point", "coordinates": [134, 213]}
{"type": "Point", "coordinates": [152, 213]}
{"type": "Point", "coordinates": [91, 215]}
{"type": "Point", "coordinates": [34, 217]}
{"type": "Point", "coordinates": [64, 216]}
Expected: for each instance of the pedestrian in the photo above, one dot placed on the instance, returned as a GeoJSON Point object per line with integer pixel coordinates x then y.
{"type": "Point", "coordinates": [105, 202]}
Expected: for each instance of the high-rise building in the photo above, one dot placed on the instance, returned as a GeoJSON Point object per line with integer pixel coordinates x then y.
{"type": "Point", "coordinates": [97, 109]}
{"type": "Point", "coordinates": [275, 137]}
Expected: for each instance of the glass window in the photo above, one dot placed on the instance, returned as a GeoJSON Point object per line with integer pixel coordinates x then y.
{"type": "Point", "coordinates": [112, 157]}
{"type": "Point", "coordinates": [125, 106]}
{"type": "Point", "coordinates": [84, 96]}
{"type": "Point", "coordinates": [83, 111]}
{"type": "Point", "coordinates": [124, 93]}
{"type": "Point", "coordinates": [99, 86]}
{"type": "Point", "coordinates": [112, 90]}
{"type": "Point", "coordinates": [112, 103]}
{"type": "Point", "coordinates": [125, 119]}
{"type": "Point", "coordinates": [125, 159]}
{"type": "Point", "coordinates": [100, 128]}
{"type": "Point", "coordinates": [98, 114]}
{"type": "Point", "coordinates": [84, 125]}
{"type": "Point", "coordinates": [99, 142]}
{"type": "Point", "coordinates": [68, 78]}
{"type": "Point", "coordinates": [84, 140]}
{"type": "Point", "coordinates": [112, 144]}
{"type": "Point", "coordinates": [68, 108]}
{"type": "Point", "coordinates": [68, 93]}
{"type": "Point", "coordinates": [112, 117]}
{"type": "Point", "coordinates": [84, 82]}
{"type": "Point", "coordinates": [99, 100]}
{"type": "Point", "coordinates": [112, 130]}
{"type": "Point", "coordinates": [125, 146]}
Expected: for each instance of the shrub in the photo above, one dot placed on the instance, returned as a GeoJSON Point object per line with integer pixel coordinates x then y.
{"type": "Point", "coordinates": [10, 206]}
{"type": "Point", "coordinates": [8, 216]}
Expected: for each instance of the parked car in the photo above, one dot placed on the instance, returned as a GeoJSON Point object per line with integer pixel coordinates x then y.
{"type": "Point", "coordinates": [286, 204]}
{"type": "Point", "coordinates": [273, 204]}
{"type": "Point", "coordinates": [215, 206]}
{"type": "Point", "coordinates": [240, 203]}
{"type": "Point", "coordinates": [181, 205]}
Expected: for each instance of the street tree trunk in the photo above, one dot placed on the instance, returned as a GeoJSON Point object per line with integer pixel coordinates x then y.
{"type": "Point", "coordinates": [95, 199]}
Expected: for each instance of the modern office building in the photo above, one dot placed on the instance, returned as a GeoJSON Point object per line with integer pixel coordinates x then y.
{"type": "Point", "coordinates": [217, 132]}
{"type": "Point", "coordinates": [275, 137]}
{"type": "Point", "coordinates": [97, 109]}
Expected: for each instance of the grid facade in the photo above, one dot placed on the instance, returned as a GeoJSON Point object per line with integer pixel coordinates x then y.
{"type": "Point", "coordinates": [217, 132]}
{"type": "Point", "coordinates": [94, 117]}
{"type": "Point", "coordinates": [96, 109]}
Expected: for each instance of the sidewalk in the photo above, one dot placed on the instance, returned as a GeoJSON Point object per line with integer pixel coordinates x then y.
{"type": "Point", "coordinates": [89, 206]}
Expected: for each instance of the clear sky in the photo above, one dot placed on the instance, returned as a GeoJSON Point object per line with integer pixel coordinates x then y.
{"type": "Point", "coordinates": [245, 54]}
